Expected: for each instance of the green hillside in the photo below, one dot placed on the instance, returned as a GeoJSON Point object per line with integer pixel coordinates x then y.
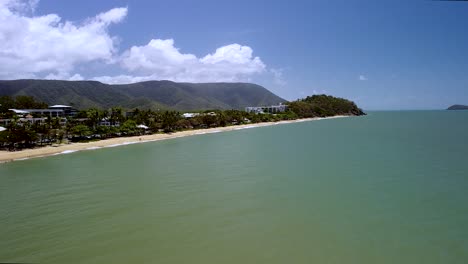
{"type": "Point", "coordinates": [145, 95]}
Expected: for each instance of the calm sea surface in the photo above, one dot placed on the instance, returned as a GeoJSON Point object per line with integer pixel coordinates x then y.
{"type": "Point", "coordinates": [390, 187]}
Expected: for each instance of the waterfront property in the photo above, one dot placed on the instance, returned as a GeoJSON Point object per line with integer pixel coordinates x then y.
{"type": "Point", "coordinates": [190, 115]}
{"type": "Point", "coordinates": [32, 120]}
{"type": "Point", "coordinates": [52, 111]}
{"type": "Point", "coordinates": [107, 122]}
{"type": "Point", "coordinates": [41, 115]}
{"type": "Point", "coordinates": [27, 129]}
{"type": "Point", "coordinates": [272, 109]}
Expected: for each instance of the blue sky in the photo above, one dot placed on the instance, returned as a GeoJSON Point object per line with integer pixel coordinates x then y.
{"type": "Point", "coordinates": [381, 54]}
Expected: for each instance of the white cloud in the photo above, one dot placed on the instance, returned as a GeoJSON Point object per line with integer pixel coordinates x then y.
{"type": "Point", "coordinates": [278, 77]}
{"type": "Point", "coordinates": [160, 59]}
{"type": "Point", "coordinates": [46, 46]}
{"type": "Point", "coordinates": [124, 79]}
{"type": "Point", "coordinates": [20, 6]}
{"type": "Point", "coordinates": [115, 15]}
{"type": "Point", "coordinates": [362, 78]}
{"type": "Point", "coordinates": [34, 46]}
{"type": "Point", "coordinates": [64, 76]}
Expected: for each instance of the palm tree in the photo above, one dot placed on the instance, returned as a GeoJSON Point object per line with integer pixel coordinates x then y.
{"type": "Point", "coordinates": [93, 116]}
{"type": "Point", "coordinates": [117, 115]}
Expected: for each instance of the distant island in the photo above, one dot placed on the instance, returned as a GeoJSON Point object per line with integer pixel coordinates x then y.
{"type": "Point", "coordinates": [458, 107]}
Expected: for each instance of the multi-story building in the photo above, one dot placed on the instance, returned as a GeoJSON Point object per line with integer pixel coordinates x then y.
{"type": "Point", "coordinates": [272, 109]}
{"type": "Point", "coordinates": [52, 111]}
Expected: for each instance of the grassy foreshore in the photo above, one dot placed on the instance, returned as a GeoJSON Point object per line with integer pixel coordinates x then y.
{"type": "Point", "coordinates": [7, 156]}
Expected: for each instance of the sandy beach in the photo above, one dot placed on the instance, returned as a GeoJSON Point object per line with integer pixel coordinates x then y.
{"type": "Point", "coordinates": [7, 156]}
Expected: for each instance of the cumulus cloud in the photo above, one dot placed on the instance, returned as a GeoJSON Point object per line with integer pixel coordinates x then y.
{"type": "Point", "coordinates": [21, 6]}
{"type": "Point", "coordinates": [124, 79]}
{"type": "Point", "coordinates": [161, 60]}
{"type": "Point", "coordinates": [278, 77]}
{"type": "Point", "coordinates": [34, 46]}
{"type": "Point", "coordinates": [64, 76]}
{"type": "Point", "coordinates": [362, 78]}
{"type": "Point", "coordinates": [50, 47]}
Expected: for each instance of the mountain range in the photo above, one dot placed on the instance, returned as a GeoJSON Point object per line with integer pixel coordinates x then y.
{"type": "Point", "coordinates": [144, 95]}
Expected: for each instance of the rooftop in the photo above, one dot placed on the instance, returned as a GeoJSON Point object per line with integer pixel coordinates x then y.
{"type": "Point", "coordinates": [27, 111]}
{"type": "Point", "coordinates": [59, 106]}
{"type": "Point", "coordinates": [19, 111]}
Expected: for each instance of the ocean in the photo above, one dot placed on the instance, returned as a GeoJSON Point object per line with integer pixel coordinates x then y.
{"type": "Point", "coordinates": [389, 187]}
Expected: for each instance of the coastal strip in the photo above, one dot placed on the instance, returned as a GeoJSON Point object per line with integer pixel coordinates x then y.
{"type": "Point", "coordinates": [7, 156]}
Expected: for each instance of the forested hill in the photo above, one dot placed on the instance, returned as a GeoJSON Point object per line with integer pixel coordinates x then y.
{"type": "Point", "coordinates": [458, 107]}
{"type": "Point", "coordinates": [144, 95]}
{"type": "Point", "coordinates": [324, 105]}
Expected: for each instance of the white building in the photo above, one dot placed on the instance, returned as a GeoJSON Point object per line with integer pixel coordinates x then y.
{"type": "Point", "coordinates": [52, 111]}
{"type": "Point", "coordinates": [190, 115]}
{"type": "Point", "coordinates": [272, 109]}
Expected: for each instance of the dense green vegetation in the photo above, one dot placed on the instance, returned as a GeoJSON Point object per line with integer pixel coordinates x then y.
{"type": "Point", "coordinates": [19, 102]}
{"type": "Point", "coordinates": [323, 105]}
{"type": "Point", "coordinates": [163, 95]}
{"type": "Point", "coordinates": [88, 124]}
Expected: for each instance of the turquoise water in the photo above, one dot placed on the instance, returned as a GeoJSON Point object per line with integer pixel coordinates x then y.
{"type": "Point", "coordinates": [390, 187]}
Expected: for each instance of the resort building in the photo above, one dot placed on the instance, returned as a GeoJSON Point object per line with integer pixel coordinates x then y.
{"type": "Point", "coordinates": [272, 109]}
{"type": "Point", "coordinates": [52, 111]}
{"type": "Point", "coordinates": [31, 120]}
{"type": "Point", "coordinates": [190, 115]}
{"type": "Point", "coordinates": [109, 123]}
{"type": "Point", "coordinates": [67, 110]}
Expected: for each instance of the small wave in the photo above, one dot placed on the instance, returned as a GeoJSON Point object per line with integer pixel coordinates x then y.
{"type": "Point", "coordinates": [121, 144]}
{"type": "Point", "coordinates": [92, 148]}
{"type": "Point", "coordinates": [129, 143]}
{"type": "Point", "coordinates": [68, 151]}
{"type": "Point", "coordinates": [113, 145]}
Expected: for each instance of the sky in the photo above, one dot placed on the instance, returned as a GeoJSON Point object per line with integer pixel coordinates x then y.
{"type": "Point", "coordinates": [384, 55]}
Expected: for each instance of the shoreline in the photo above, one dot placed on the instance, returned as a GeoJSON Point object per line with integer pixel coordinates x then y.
{"type": "Point", "coordinates": [7, 156]}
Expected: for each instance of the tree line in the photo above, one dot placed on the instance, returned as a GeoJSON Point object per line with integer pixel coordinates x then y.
{"type": "Point", "coordinates": [88, 124]}
{"type": "Point", "coordinates": [18, 102]}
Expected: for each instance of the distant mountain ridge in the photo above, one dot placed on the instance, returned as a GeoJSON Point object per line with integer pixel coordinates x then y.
{"type": "Point", "coordinates": [458, 107]}
{"type": "Point", "coordinates": [143, 95]}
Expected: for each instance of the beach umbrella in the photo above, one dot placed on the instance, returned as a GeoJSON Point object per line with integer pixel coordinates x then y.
{"type": "Point", "coordinates": [2, 129]}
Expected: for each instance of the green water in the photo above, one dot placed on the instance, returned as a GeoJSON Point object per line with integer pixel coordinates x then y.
{"type": "Point", "coordinates": [391, 187]}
